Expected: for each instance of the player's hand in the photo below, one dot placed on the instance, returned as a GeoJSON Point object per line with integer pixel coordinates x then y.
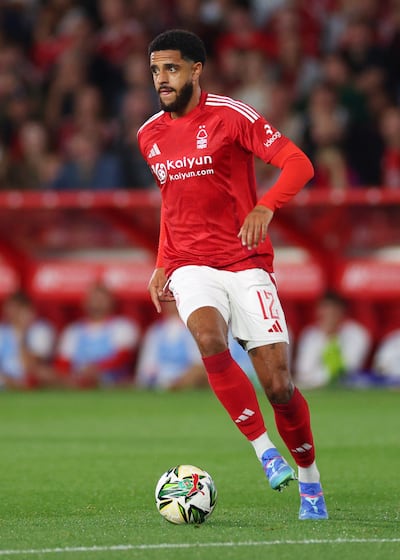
{"type": "Point", "coordinates": [158, 288]}
{"type": "Point", "coordinates": [255, 226]}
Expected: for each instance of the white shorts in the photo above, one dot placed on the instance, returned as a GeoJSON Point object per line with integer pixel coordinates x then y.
{"type": "Point", "coordinates": [247, 300]}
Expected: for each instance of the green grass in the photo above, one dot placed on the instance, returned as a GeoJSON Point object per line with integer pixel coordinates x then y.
{"type": "Point", "coordinates": [79, 469]}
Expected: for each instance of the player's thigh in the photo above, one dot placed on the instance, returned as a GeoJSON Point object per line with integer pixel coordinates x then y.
{"type": "Point", "coordinates": [203, 305]}
{"type": "Point", "coordinates": [257, 315]}
{"type": "Point", "coordinates": [199, 286]}
{"type": "Point", "coordinates": [209, 329]}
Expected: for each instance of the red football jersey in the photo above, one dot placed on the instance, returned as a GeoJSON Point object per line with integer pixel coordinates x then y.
{"type": "Point", "coordinates": [203, 163]}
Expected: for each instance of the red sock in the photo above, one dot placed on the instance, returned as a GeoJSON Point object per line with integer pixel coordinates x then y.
{"type": "Point", "coordinates": [236, 393]}
{"type": "Point", "coordinates": [293, 423]}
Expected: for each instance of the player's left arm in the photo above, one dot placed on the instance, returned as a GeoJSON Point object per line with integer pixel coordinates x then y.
{"type": "Point", "coordinates": [297, 170]}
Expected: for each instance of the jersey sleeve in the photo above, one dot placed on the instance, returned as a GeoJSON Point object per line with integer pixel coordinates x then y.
{"type": "Point", "coordinates": [296, 171]}
{"type": "Point", "coordinates": [254, 133]}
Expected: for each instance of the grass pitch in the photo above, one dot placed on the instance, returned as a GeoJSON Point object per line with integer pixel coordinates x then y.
{"type": "Point", "coordinates": [78, 472]}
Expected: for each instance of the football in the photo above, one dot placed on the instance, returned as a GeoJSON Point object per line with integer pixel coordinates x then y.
{"type": "Point", "coordinates": [186, 494]}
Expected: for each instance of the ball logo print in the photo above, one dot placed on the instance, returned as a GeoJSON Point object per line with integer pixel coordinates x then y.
{"type": "Point", "coordinates": [185, 494]}
{"type": "Point", "coordinates": [194, 486]}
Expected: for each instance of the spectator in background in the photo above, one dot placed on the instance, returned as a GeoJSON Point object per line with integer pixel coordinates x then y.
{"type": "Point", "coordinates": [392, 49]}
{"type": "Point", "coordinates": [99, 349]}
{"type": "Point", "coordinates": [17, 106]}
{"type": "Point", "coordinates": [136, 107]}
{"type": "Point", "coordinates": [88, 166]}
{"type": "Point", "coordinates": [333, 347]}
{"type": "Point", "coordinates": [331, 169]}
{"type": "Point", "coordinates": [337, 74]}
{"type": "Point", "coordinates": [325, 128]}
{"type": "Point", "coordinates": [390, 130]}
{"type": "Point", "coordinates": [120, 33]}
{"type": "Point", "coordinates": [386, 360]}
{"type": "Point", "coordinates": [70, 76]}
{"type": "Point", "coordinates": [365, 57]}
{"type": "Point", "coordinates": [296, 69]}
{"type": "Point", "coordinates": [35, 166]}
{"type": "Point", "coordinates": [279, 110]}
{"type": "Point", "coordinates": [144, 10]}
{"type": "Point", "coordinates": [360, 48]}
{"type": "Point", "coordinates": [137, 78]}
{"type": "Point", "coordinates": [255, 80]}
{"type": "Point", "coordinates": [87, 116]}
{"type": "Point", "coordinates": [26, 345]}
{"type": "Point", "coordinates": [58, 27]}
{"type": "Point", "coordinates": [239, 37]}
{"type": "Point", "coordinates": [169, 357]}
{"type": "Point", "coordinates": [57, 56]}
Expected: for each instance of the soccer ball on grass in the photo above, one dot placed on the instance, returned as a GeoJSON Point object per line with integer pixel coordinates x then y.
{"type": "Point", "coordinates": [186, 494]}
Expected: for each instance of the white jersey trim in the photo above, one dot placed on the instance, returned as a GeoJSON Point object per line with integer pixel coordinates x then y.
{"type": "Point", "coordinates": [222, 101]}
{"type": "Point", "coordinates": [151, 119]}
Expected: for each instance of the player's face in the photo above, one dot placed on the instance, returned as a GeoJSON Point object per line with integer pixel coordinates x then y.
{"type": "Point", "coordinates": [174, 80]}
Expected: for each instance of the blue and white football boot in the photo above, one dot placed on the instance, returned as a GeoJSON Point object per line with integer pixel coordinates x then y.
{"type": "Point", "coordinates": [278, 471]}
{"type": "Point", "coordinates": [312, 501]}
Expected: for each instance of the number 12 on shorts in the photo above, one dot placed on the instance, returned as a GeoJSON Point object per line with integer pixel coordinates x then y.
{"type": "Point", "coordinates": [268, 306]}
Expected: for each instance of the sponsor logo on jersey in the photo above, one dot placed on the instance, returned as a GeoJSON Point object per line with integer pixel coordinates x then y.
{"type": "Point", "coordinates": [155, 151]}
{"type": "Point", "coordinates": [268, 129]}
{"type": "Point", "coordinates": [160, 171]}
{"type": "Point", "coordinates": [271, 140]}
{"type": "Point", "coordinates": [202, 137]}
{"type": "Point", "coordinates": [188, 162]}
{"type": "Point", "coordinates": [185, 168]}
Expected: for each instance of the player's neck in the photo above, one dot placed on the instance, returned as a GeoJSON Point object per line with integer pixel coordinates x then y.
{"type": "Point", "coordinates": [194, 101]}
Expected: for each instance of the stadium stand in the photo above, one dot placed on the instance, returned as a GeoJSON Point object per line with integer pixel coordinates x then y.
{"type": "Point", "coordinates": [55, 245]}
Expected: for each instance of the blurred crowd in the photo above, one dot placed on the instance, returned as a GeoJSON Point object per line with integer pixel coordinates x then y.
{"type": "Point", "coordinates": [101, 347]}
{"type": "Point", "coordinates": [105, 348]}
{"type": "Point", "coordinates": [75, 84]}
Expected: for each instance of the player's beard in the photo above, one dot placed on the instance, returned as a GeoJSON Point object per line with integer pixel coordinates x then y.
{"type": "Point", "coordinates": [181, 101]}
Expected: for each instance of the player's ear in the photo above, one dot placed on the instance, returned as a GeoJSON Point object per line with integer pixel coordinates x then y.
{"type": "Point", "coordinates": [197, 70]}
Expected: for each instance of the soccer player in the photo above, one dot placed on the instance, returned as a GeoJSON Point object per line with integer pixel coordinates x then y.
{"type": "Point", "coordinates": [215, 257]}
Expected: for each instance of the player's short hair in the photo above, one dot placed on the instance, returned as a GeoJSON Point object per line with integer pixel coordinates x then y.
{"type": "Point", "coordinates": [189, 44]}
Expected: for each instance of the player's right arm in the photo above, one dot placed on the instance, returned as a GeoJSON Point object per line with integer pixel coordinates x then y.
{"type": "Point", "coordinates": [158, 288]}
{"type": "Point", "coordinates": [158, 285]}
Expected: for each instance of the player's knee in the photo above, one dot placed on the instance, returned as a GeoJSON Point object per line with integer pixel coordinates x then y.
{"type": "Point", "coordinates": [210, 343]}
{"type": "Point", "coordinates": [281, 394]}
{"type": "Point", "coordinates": [280, 389]}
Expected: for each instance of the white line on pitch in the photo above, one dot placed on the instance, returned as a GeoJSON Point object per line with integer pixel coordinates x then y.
{"type": "Point", "coordinates": [190, 545]}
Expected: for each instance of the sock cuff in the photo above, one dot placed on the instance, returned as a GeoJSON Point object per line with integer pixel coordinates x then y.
{"type": "Point", "coordinates": [218, 362]}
